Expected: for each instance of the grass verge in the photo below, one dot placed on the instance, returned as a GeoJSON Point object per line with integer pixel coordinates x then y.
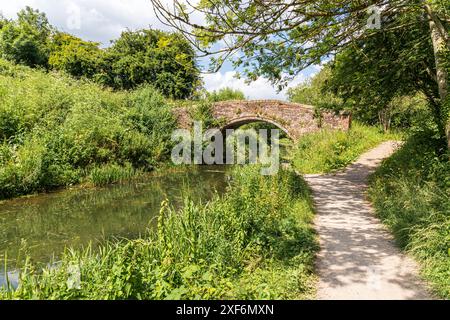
{"type": "Point", "coordinates": [411, 194]}
{"type": "Point", "coordinates": [327, 151]}
{"type": "Point", "coordinates": [255, 242]}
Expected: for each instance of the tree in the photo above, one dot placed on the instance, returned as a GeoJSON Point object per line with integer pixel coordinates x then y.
{"type": "Point", "coordinates": [164, 60]}
{"type": "Point", "coordinates": [225, 94]}
{"type": "Point", "coordinates": [278, 39]}
{"type": "Point", "coordinates": [25, 40]}
{"type": "Point", "coordinates": [76, 57]}
{"type": "Point", "coordinates": [313, 92]}
{"type": "Point", "coordinates": [370, 74]}
{"type": "Point", "coordinates": [3, 21]}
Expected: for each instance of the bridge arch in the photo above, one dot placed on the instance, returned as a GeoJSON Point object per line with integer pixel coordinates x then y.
{"type": "Point", "coordinates": [238, 122]}
{"type": "Point", "coordinates": [292, 118]}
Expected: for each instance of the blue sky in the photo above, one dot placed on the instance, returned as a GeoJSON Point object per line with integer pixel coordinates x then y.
{"type": "Point", "coordinates": [104, 20]}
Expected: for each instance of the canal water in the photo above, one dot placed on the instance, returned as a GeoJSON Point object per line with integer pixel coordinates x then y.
{"type": "Point", "coordinates": [42, 226]}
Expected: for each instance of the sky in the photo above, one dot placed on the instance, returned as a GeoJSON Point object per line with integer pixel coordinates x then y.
{"type": "Point", "coordinates": [104, 20]}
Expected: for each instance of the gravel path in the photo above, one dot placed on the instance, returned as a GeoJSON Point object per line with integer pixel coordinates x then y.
{"type": "Point", "coordinates": [358, 257]}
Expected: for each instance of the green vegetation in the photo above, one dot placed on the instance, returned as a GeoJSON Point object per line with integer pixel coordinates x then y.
{"type": "Point", "coordinates": [314, 93]}
{"type": "Point", "coordinates": [54, 131]}
{"type": "Point", "coordinates": [326, 151]}
{"type": "Point", "coordinates": [202, 111]}
{"type": "Point", "coordinates": [161, 59]}
{"type": "Point", "coordinates": [111, 173]}
{"type": "Point", "coordinates": [74, 56]}
{"type": "Point", "coordinates": [164, 60]}
{"type": "Point", "coordinates": [337, 88]}
{"type": "Point", "coordinates": [402, 49]}
{"type": "Point", "coordinates": [225, 94]}
{"type": "Point", "coordinates": [255, 242]}
{"type": "Point", "coordinates": [396, 79]}
{"type": "Point", "coordinates": [411, 194]}
{"type": "Point", "coordinates": [27, 39]}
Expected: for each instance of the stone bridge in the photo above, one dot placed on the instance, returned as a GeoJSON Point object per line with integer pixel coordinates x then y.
{"type": "Point", "coordinates": [294, 119]}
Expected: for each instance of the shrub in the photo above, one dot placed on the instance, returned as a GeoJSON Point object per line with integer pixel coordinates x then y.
{"type": "Point", "coordinates": [74, 56]}
{"type": "Point", "coordinates": [151, 115]}
{"type": "Point", "coordinates": [24, 173]}
{"type": "Point", "coordinates": [92, 134]}
{"type": "Point", "coordinates": [225, 94]}
{"type": "Point", "coordinates": [151, 57]}
{"type": "Point", "coordinates": [25, 40]}
{"type": "Point", "coordinates": [69, 127]}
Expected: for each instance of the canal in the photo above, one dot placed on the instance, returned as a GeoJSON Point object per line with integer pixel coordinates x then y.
{"type": "Point", "coordinates": [42, 226]}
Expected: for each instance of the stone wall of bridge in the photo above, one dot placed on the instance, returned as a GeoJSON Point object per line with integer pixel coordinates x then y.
{"type": "Point", "coordinates": [295, 119]}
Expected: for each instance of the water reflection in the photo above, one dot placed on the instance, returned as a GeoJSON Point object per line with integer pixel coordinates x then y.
{"type": "Point", "coordinates": [46, 224]}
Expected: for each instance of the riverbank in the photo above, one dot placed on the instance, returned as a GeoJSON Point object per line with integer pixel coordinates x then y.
{"type": "Point", "coordinates": [58, 132]}
{"type": "Point", "coordinates": [41, 226]}
{"type": "Point", "coordinates": [255, 242]}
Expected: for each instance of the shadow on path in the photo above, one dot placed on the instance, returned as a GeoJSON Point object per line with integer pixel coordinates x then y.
{"type": "Point", "coordinates": [358, 257]}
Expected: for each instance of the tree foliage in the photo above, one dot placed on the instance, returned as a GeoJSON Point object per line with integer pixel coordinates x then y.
{"type": "Point", "coordinates": [369, 75]}
{"type": "Point", "coordinates": [225, 94]}
{"type": "Point", "coordinates": [73, 55]}
{"type": "Point", "coordinates": [165, 60]}
{"type": "Point", "coordinates": [26, 39]}
{"type": "Point", "coordinates": [162, 59]}
{"type": "Point", "coordinates": [278, 39]}
{"type": "Point", "coordinates": [312, 92]}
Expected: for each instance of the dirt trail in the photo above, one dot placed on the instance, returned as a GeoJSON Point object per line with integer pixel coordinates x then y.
{"type": "Point", "coordinates": [358, 257]}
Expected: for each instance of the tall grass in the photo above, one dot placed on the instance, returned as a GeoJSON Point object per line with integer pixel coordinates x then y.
{"type": "Point", "coordinates": [327, 151]}
{"type": "Point", "coordinates": [111, 173]}
{"type": "Point", "coordinates": [411, 194]}
{"type": "Point", "coordinates": [53, 129]}
{"type": "Point", "coordinates": [255, 242]}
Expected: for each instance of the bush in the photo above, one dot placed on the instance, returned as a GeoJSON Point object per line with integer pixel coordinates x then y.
{"type": "Point", "coordinates": [61, 128]}
{"type": "Point", "coordinates": [151, 115]}
{"type": "Point", "coordinates": [74, 56]}
{"type": "Point", "coordinates": [225, 94]}
{"type": "Point", "coordinates": [91, 134]}
{"type": "Point", "coordinates": [25, 40]}
{"type": "Point", "coordinates": [151, 57]}
{"type": "Point", "coordinates": [24, 174]}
